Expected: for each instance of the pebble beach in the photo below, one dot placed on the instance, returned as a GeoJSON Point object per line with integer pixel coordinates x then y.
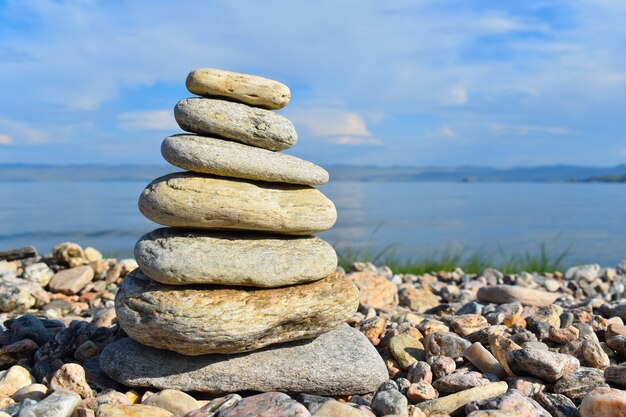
{"type": "Point", "coordinates": [488, 344]}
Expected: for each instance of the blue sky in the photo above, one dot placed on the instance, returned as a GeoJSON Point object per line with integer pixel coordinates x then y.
{"type": "Point", "coordinates": [500, 83]}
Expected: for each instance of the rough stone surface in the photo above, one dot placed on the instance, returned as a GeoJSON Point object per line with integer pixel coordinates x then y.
{"type": "Point", "coordinates": [406, 350]}
{"type": "Point", "coordinates": [18, 294]}
{"type": "Point", "coordinates": [214, 406]}
{"type": "Point", "coordinates": [244, 88]}
{"type": "Point", "coordinates": [334, 408]}
{"type": "Point", "coordinates": [459, 381]}
{"type": "Point", "coordinates": [39, 273]}
{"type": "Point", "coordinates": [616, 375]}
{"type": "Point", "coordinates": [577, 384]}
{"type": "Point", "coordinates": [231, 159]}
{"type": "Point", "coordinates": [513, 402]}
{"type": "Point", "coordinates": [389, 402]}
{"type": "Point", "coordinates": [501, 294]}
{"type": "Point", "coordinates": [71, 376]}
{"type": "Point", "coordinates": [235, 121]}
{"type": "Point", "coordinates": [269, 404]}
{"type": "Point", "coordinates": [58, 404]}
{"type": "Point", "coordinates": [453, 402]}
{"type": "Point", "coordinates": [196, 320]}
{"type": "Point", "coordinates": [375, 291]}
{"type": "Point", "coordinates": [543, 364]}
{"type": "Point", "coordinates": [557, 405]}
{"type": "Point", "coordinates": [205, 201]}
{"type": "Point", "coordinates": [445, 344]}
{"type": "Point", "coordinates": [71, 281]}
{"type": "Point", "coordinates": [183, 256]}
{"type": "Point", "coordinates": [604, 402]}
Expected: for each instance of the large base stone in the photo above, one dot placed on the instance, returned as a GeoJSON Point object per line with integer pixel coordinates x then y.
{"type": "Point", "coordinates": [340, 362]}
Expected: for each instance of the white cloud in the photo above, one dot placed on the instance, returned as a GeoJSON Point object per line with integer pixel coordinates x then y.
{"type": "Point", "coordinates": [336, 126]}
{"type": "Point", "coordinates": [442, 132]}
{"type": "Point", "coordinates": [5, 140]}
{"type": "Point", "coordinates": [148, 120]}
{"type": "Point", "coordinates": [20, 132]}
{"type": "Point", "coordinates": [457, 94]}
{"type": "Point", "coordinates": [528, 129]}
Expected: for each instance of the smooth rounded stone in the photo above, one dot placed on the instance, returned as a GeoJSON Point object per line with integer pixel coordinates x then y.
{"type": "Point", "coordinates": [136, 410]}
{"type": "Point", "coordinates": [616, 375]}
{"type": "Point", "coordinates": [39, 273]}
{"type": "Point", "coordinates": [420, 392]}
{"type": "Point", "coordinates": [182, 257]}
{"type": "Point", "coordinates": [459, 381]}
{"type": "Point", "coordinates": [406, 350]}
{"type": "Point", "coordinates": [340, 362]}
{"type": "Point", "coordinates": [543, 364]}
{"type": "Point", "coordinates": [375, 291]}
{"type": "Point", "coordinates": [441, 366]}
{"type": "Point", "coordinates": [28, 327]}
{"type": "Point", "coordinates": [244, 88]}
{"type": "Point", "coordinates": [455, 402]}
{"type": "Point", "coordinates": [18, 295]}
{"type": "Point", "coordinates": [13, 379]}
{"type": "Point", "coordinates": [587, 272]}
{"type": "Point", "coordinates": [235, 121]}
{"type": "Point", "coordinates": [445, 344]}
{"type": "Point", "coordinates": [268, 404]}
{"type": "Point", "coordinates": [65, 252]}
{"type": "Point", "coordinates": [71, 376]}
{"type": "Point", "coordinates": [312, 402]}
{"type": "Point", "coordinates": [618, 344]}
{"type": "Point", "coordinates": [36, 392]}
{"type": "Point", "coordinates": [197, 320]}
{"type": "Point", "coordinates": [174, 401]}
{"type": "Point", "coordinates": [58, 404]}
{"type": "Point", "coordinates": [417, 299]}
{"type": "Point", "coordinates": [482, 359]}
{"type": "Point", "coordinates": [577, 384]}
{"type": "Point", "coordinates": [205, 201]}
{"type": "Point", "coordinates": [557, 405]}
{"type": "Point", "coordinates": [71, 281]}
{"type": "Point", "coordinates": [513, 402]}
{"type": "Point", "coordinates": [604, 402]}
{"type": "Point", "coordinates": [389, 402]}
{"type": "Point", "coordinates": [420, 372]}
{"type": "Point", "coordinates": [334, 408]}
{"type": "Point", "coordinates": [501, 294]}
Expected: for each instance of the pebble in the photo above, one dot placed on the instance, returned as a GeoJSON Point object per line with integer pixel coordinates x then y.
{"type": "Point", "coordinates": [204, 201]}
{"type": "Point", "coordinates": [71, 281]}
{"type": "Point", "coordinates": [406, 350]}
{"type": "Point", "coordinates": [344, 363]}
{"type": "Point", "coordinates": [616, 374]}
{"type": "Point", "coordinates": [375, 291]}
{"type": "Point", "coordinates": [389, 402]}
{"type": "Point", "coordinates": [459, 381]}
{"type": "Point", "coordinates": [233, 319]}
{"type": "Point", "coordinates": [500, 294]}
{"type": "Point", "coordinates": [334, 408]}
{"type": "Point", "coordinates": [482, 359]}
{"type": "Point", "coordinates": [235, 121]}
{"type": "Point", "coordinates": [39, 273]}
{"type": "Point", "coordinates": [557, 405]}
{"type": "Point", "coordinates": [244, 88]}
{"type": "Point", "coordinates": [13, 379]}
{"type": "Point", "coordinates": [585, 272]}
{"type": "Point", "coordinates": [442, 366]}
{"type": "Point", "coordinates": [577, 384]}
{"type": "Point", "coordinates": [61, 403]}
{"type": "Point", "coordinates": [269, 404]}
{"type": "Point", "coordinates": [455, 402]}
{"type": "Point", "coordinates": [417, 299]}
{"type": "Point", "coordinates": [19, 295]}
{"type": "Point", "coordinates": [467, 324]}
{"type": "Point", "coordinates": [513, 402]}
{"type": "Point", "coordinates": [603, 402]}
{"type": "Point", "coordinates": [216, 405]}
{"type": "Point", "coordinates": [420, 392]}
{"type": "Point", "coordinates": [137, 410]}
{"type": "Point", "coordinates": [36, 392]}
{"type": "Point", "coordinates": [174, 401]}
{"type": "Point", "coordinates": [420, 372]}
{"type": "Point", "coordinates": [226, 158]}
{"type": "Point", "coordinates": [16, 352]}
{"type": "Point", "coordinates": [71, 376]}
{"type": "Point", "coordinates": [64, 253]}
{"type": "Point", "coordinates": [445, 344]}
{"type": "Point", "coordinates": [183, 256]}
{"type": "Point", "coordinates": [542, 364]}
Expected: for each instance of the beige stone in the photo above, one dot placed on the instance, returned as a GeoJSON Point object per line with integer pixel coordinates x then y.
{"type": "Point", "coordinates": [234, 121]}
{"type": "Point", "coordinates": [204, 201]}
{"type": "Point", "coordinates": [406, 350]}
{"type": "Point", "coordinates": [137, 410]}
{"type": "Point", "coordinates": [183, 256]}
{"type": "Point", "coordinates": [604, 402]}
{"type": "Point", "coordinates": [453, 402]}
{"type": "Point", "coordinates": [244, 88]}
{"type": "Point", "coordinates": [375, 290]}
{"type": "Point", "coordinates": [196, 320]}
{"type": "Point", "coordinates": [13, 379]}
{"type": "Point", "coordinates": [71, 281]}
{"type": "Point", "coordinates": [502, 294]}
{"type": "Point", "coordinates": [174, 401]}
{"type": "Point", "coordinates": [231, 159]}
{"type": "Point", "coordinates": [334, 408]}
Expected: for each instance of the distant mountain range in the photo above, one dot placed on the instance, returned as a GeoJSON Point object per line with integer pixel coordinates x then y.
{"type": "Point", "coordinates": [551, 173]}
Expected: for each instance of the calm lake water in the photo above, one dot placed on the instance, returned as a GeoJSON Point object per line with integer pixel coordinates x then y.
{"type": "Point", "coordinates": [414, 219]}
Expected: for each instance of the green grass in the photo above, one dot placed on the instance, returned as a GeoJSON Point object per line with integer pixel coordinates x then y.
{"type": "Point", "coordinates": [540, 260]}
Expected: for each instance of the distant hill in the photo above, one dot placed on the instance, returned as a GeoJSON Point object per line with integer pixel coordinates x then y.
{"type": "Point", "coordinates": [552, 173]}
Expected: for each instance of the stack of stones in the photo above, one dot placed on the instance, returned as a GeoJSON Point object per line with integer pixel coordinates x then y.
{"type": "Point", "coordinates": [236, 294]}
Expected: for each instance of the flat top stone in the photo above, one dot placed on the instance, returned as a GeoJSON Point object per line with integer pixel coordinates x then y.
{"type": "Point", "coordinates": [235, 121]}
{"type": "Point", "coordinates": [231, 159]}
{"type": "Point", "coordinates": [502, 294]}
{"type": "Point", "coordinates": [195, 320]}
{"type": "Point", "coordinates": [206, 201]}
{"type": "Point", "coordinates": [71, 281]}
{"type": "Point", "coordinates": [340, 362]}
{"type": "Point", "coordinates": [244, 88]}
{"type": "Point", "coordinates": [188, 256]}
